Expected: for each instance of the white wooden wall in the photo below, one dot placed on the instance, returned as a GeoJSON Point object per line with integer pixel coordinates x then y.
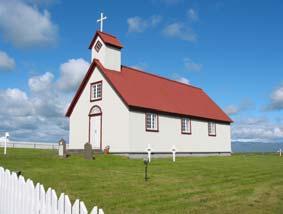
{"type": "Point", "coordinates": [18, 195]}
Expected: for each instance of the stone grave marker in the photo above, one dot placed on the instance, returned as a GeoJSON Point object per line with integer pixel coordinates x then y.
{"type": "Point", "coordinates": [88, 153]}
{"type": "Point", "coordinates": [62, 151]}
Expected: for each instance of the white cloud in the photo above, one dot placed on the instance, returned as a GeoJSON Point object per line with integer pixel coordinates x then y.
{"type": "Point", "coordinates": [72, 73]}
{"type": "Point", "coordinates": [140, 66]}
{"type": "Point", "coordinates": [276, 99]}
{"type": "Point", "coordinates": [41, 83]}
{"type": "Point", "coordinates": [14, 102]}
{"type": "Point", "coordinates": [243, 106]}
{"type": "Point", "coordinates": [6, 62]}
{"type": "Point", "coordinates": [40, 114]}
{"type": "Point", "coordinates": [32, 117]}
{"type": "Point", "coordinates": [193, 15]}
{"type": "Point", "coordinates": [155, 20]}
{"type": "Point", "coordinates": [192, 66]}
{"type": "Point", "coordinates": [183, 80]}
{"type": "Point", "coordinates": [26, 26]}
{"type": "Point", "coordinates": [232, 110]}
{"type": "Point", "coordinates": [137, 24]}
{"type": "Point", "coordinates": [257, 130]}
{"type": "Point", "coordinates": [180, 31]}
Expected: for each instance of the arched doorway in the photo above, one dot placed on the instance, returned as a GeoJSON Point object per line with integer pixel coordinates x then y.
{"type": "Point", "coordinates": [95, 127]}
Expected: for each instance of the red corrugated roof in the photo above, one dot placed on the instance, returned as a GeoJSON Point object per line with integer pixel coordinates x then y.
{"type": "Point", "coordinates": [107, 39]}
{"type": "Point", "coordinates": [147, 91]}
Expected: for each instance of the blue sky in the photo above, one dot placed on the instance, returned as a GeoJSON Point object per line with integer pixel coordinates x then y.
{"type": "Point", "coordinates": [231, 49]}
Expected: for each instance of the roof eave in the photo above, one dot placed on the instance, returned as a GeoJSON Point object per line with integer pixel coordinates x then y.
{"type": "Point", "coordinates": [133, 107]}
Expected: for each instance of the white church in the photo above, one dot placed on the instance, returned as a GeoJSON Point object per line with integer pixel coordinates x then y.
{"type": "Point", "coordinates": [128, 110]}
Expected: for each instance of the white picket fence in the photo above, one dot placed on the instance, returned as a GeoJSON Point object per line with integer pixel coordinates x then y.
{"type": "Point", "coordinates": [31, 145]}
{"type": "Point", "coordinates": [18, 195]}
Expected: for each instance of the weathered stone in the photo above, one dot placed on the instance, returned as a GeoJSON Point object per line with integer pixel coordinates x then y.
{"type": "Point", "coordinates": [88, 153]}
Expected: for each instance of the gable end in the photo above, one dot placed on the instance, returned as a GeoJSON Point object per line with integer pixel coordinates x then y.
{"type": "Point", "coordinates": [84, 82]}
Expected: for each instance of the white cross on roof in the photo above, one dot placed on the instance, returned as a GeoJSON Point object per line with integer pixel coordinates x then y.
{"type": "Point", "coordinates": [101, 21]}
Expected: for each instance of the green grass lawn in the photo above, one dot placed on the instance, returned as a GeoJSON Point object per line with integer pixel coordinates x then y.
{"type": "Point", "coordinates": [237, 184]}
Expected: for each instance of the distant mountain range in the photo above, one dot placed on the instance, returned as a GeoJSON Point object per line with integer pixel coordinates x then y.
{"type": "Point", "coordinates": [238, 146]}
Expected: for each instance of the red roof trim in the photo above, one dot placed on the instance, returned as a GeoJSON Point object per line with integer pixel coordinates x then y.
{"type": "Point", "coordinates": [107, 39]}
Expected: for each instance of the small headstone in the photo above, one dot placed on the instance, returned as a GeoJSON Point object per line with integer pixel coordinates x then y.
{"type": "Point", "coordinates": [88, 153]}
{"type": "Point", "coordinates": [62, 151]}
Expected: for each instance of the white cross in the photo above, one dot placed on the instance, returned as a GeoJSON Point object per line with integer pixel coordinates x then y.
{"type": "Point", "coordinates": [148, 149]}
{"type": "Point", "coordinates": [280, 152]}
{"type": "Point", "coordinates": [174, 153]}
{"type": "Point", "coordinates": [101, 21]}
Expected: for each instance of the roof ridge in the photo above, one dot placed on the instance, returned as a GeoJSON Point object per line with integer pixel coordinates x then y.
{"type": "Point", "coordinates": [161, 77]}
{"type": "Point", "coordinates": [107, 34]}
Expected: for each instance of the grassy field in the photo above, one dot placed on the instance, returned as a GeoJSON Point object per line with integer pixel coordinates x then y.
{"type": "Point", "coordinates": [237, 184]}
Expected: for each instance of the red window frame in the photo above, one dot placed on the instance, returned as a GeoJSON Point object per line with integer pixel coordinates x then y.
{"type": "Point", "coordinates": [157, 123]}
{"type": "Point", "coordinates": [91, 91]}
{"type": "Point", "coordinates": [190, 123]}
{"type": "Point", "coordinates": [209, 134]}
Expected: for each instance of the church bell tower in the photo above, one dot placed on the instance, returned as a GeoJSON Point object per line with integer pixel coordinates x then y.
{"type": "Point", "coordinates": [106, 48]}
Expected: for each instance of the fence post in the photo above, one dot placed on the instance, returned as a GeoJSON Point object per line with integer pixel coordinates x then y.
{"type": "Point", "coordinates": [94, 210]}
{"type": "Point", "coordinates": [76, 207]}
{"type": "Point", "coordinates": [83, 209]}
{"type": "Point", "coordinates": [61, 204]}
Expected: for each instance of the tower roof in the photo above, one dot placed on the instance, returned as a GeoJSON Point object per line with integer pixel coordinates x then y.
{"type": "Point", "coordinates": [107, 39]}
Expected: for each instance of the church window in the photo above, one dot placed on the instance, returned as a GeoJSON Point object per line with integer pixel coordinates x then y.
{"type": "Point", "coordinates": [151, 122]}
{"type": "Point", "coordinates": [186, 126]}
{"type": "Point", "coordinates": [211, 128]}
{"type": "Point", "coordinates": [96, 91]}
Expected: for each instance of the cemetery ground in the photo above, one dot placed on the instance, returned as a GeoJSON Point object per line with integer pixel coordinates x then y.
{"type": "Point", "coordinates": [250, 183]}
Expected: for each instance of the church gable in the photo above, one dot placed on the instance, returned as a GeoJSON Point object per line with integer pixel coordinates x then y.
{"type": "Point", "coordinates": [95, 66]}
